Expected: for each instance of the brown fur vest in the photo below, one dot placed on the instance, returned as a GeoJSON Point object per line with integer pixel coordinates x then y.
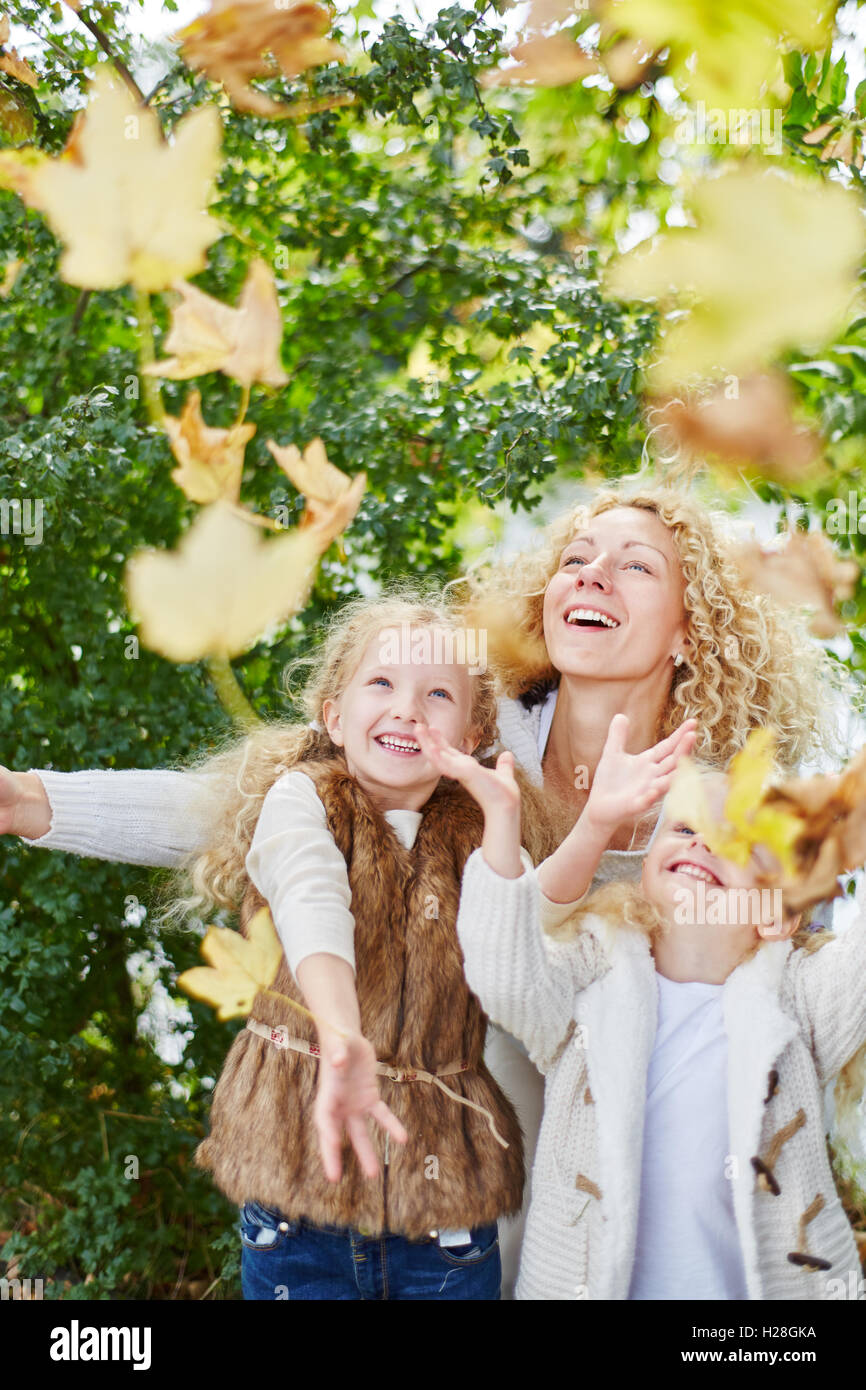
{"type": "Point", "coordinates": [417, 1011]}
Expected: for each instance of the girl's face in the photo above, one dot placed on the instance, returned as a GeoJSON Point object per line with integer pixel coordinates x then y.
{"type": "Point", "coordinates": [614, 609]}
{"type": "Point", "coordinates": [691, 886]}
{"type": "Point", "coordinates": [374, 720]}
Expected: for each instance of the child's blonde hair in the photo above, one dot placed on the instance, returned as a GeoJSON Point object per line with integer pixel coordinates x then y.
{"type": "Point", "coordinates": [241, 774]}
{"type": "Point", "coordinates": [751, 662]}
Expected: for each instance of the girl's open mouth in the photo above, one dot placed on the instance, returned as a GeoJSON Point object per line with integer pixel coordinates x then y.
{"type": "Point", "coordinates": [698, 871]}
{"type": "Point", "coordinates": [396, 743]}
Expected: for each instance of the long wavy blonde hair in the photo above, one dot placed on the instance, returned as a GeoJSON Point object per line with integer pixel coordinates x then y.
{"type": "Point", "coordinates": [239, 776]}
{"type": "Point", "coordinates": [753, 662]}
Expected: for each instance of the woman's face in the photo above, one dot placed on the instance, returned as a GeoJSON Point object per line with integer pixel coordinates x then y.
{"type": "Point", "coordinates": [614, 608]}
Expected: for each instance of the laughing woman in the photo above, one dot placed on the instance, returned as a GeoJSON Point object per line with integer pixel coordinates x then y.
{"type": "Point", "coordinates": [631, 606]}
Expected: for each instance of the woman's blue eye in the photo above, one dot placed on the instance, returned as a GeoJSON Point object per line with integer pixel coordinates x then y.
{"type": "Point", "coordinates": [575, 560]}
{"type": "Point", "coordinates": [637, 564]}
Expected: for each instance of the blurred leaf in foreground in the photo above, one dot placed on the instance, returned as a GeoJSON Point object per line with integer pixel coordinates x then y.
{"type": "Point", "coordinates": [749, 271]}
{"type": "Point", "coordinates": [222, 588]}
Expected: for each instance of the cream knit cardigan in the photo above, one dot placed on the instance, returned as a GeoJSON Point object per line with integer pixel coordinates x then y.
{"type": "Point", "coordinates": [586, 1009]}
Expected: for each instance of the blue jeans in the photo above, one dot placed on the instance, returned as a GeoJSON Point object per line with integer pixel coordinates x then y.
{"type": "Point", "coordinates": [332, 1262]}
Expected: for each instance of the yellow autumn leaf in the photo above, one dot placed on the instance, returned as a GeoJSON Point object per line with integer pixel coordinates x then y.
{"type": "Point", "coordinates": [222, 588]}
{"type": "Point", "coordinates": [746, 822]}
{"type": "Point", "coordinates": [231, 41]}
{"type": "Point", "coordinates": [725, 54]}
{"type": "Point", "coordinates": [209, 336]}
{"type": "Point", "coordinates": [772, 263]}
{"type": "Point", "coordinates": [211, 460]}
{"type": "Point", "coordinates": [333, 498]}
{"type": "Point", "coordinates": [128, 206]}
{"type": "Point", "coordinates": [19, 68]}
{"type": "Point", "coordinates": [240, 966]}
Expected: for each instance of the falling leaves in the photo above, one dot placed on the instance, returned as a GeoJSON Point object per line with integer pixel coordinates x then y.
{"type": "Point", "coordinates": [222, 588]}
{"type": "Point", "coordinates": [750, 423]}
{"type": "Point", "coordinates": [832, 810]}
{"type": "Point", "coordinates": [209, 336]}
{"type": "Point", "coordinates": [10, 61]}
{"type": "Point", "coordinates": [551, 61]}
{"type": "Point", "coordinates": [128, 206]}
{"type": "Point", "coordinates": [230, 43]}
{"type": "Point", "coordinates": [333, 498]}
{"type": "Point", "coordinates": [840, 140]}
{"type": "Point", "coordinates": [239, 967]}
{"type": "Point", "coordinates": [747, 822]}
{"type": "Point", "coordinates": [804, 572]}
{"type": "Point", "coordinates": [557, 59]}
{"type": "Point", "coordinates": [725, 54]}
{"type": "Point", "coordinates": [211, 460]}
{"type": "Point", "coordinates": [754, 282]}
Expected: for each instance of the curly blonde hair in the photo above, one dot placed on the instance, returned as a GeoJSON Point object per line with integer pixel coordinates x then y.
{"type": "Point", "coordinates": [240, 774]}
{"type": "Point", "coordinates": [753, 663]}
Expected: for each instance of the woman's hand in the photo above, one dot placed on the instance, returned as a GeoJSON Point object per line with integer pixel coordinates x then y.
{"type": "Point", "coordinates": [24, 806]}
{"type": "Point", "coordinates": [627, 784]}
{"type": "Point", "coordinates": [495, 790]}
{"type": "Point", "coordinates": [348, 1092]}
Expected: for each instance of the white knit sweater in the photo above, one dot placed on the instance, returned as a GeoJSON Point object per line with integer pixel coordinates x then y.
{"type": "Point", "coordinates": [586, 1010]}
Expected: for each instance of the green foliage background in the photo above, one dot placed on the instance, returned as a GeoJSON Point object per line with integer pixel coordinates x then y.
{"type": "Point", "coordinates": [444, 331]}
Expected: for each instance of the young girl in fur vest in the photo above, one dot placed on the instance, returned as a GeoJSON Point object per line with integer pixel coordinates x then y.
{"type": "Point", "coordinates": [682, 1151]}
{"type": "Point", "coordinates": [348, 833]}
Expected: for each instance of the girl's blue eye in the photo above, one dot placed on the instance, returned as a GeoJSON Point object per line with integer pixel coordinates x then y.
{"type": "Point", "coordinates": [380, 680]}
{"type": "Point", "coordinates": [683, 830]}
{"type": "Point", "coordinates": [440, 691]}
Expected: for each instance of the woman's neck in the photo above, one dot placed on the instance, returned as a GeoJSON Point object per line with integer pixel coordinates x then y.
{"type": "Point", "coordinates": [581, 721]}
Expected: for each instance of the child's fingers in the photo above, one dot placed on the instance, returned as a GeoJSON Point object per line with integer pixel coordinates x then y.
{"type": "Point", "coordinates": [505, 763]}
{"type": "Point", "coordinates": [388, 1120]}
{"type": "Point", "coordinates": [360, 1137]}
{"type": "Point", "coordinates": [330, 1147]}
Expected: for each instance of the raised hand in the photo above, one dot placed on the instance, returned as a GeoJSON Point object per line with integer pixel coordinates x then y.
{"type": "Point", "coordinates": [627, 784]}
{"type": "Point", "coordinates": [495, 790]}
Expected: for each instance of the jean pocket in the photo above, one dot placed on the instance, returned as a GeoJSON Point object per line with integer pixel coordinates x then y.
{"type": "Point", "coordinates": [483, 1242]}
{"type": "Point", "coordinates": [264, 1228]}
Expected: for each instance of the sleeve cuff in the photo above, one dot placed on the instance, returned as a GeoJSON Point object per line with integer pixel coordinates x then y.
{"type": "Point", "coordinates": [554, 914]}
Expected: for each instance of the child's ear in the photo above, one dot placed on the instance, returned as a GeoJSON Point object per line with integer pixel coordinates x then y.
{"type": "Point", "coordinates": [332, 721]}
{"type": "Point", "coordinates": [471, 741]}
{"type": "Point", "coordinates": [781, 931]}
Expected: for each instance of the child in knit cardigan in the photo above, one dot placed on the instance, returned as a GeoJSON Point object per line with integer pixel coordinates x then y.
{"type": "Point", "coordinates": [685, 1042]}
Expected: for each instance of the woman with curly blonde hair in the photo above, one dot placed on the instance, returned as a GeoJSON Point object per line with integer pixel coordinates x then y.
{"type": "Point", "coordinates": [631, 606]}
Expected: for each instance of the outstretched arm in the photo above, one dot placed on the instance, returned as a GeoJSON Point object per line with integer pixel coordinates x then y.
{"type": "Point", "coordinates": [136, 817]}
